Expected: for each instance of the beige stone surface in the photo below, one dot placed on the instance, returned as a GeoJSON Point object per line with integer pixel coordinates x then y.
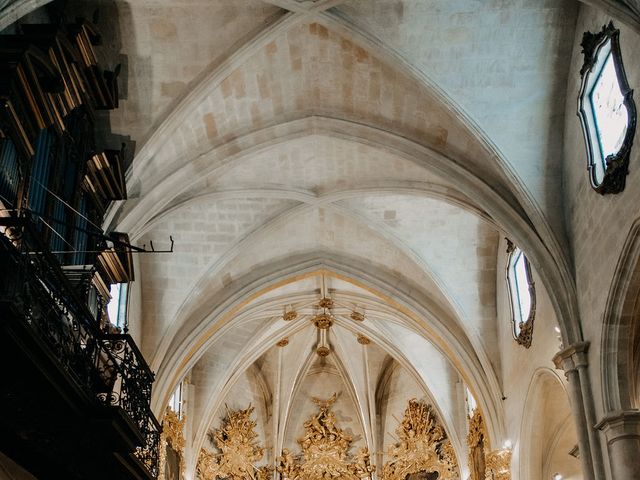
{"type": "Point", "coordinates": [379, 152]}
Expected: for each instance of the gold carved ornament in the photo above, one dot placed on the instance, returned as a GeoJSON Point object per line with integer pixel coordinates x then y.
{"type": "Point", "coordinates": [497, 463]}
{"type": "Point", "coordinates": [236, 440]}
{"type": "Point", "coordinates": [325, 449]}
{"type": "Point", "coordinates": [477, 434]}
{"type": "Point", "coordinates": [423, 446]}
{"type": "Point", "coordinates": [172, 436]}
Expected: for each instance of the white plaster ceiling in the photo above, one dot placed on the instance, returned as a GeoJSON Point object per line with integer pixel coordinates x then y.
{"type": "Point", "coordinates": [387, 146]}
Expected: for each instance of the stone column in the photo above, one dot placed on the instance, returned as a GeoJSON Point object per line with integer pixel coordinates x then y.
{"type": "Point", "coordinates": [566, 360]}
{"type": "Point", "coordinates": [622, 431]}
{"type": "Point", "coordinates": [581, 362]}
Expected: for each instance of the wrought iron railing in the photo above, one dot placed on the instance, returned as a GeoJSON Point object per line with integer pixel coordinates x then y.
{"type": "Point", "coordinates": [109, 368]}
{"type": "Point", "coordinates": [148, 454]}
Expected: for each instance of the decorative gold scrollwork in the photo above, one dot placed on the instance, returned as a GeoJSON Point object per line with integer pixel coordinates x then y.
{"type": "Point", "coordinates": [423, 446]}
{"type": "Point", "coordinates": [240, 451]}
{"type": "Point", "coordinates": [485, 464]}
{"type": "Point", "coordinates": [498, 464]}
{"type": "Point", "coordinates": [325, 449]}
{"type": "Point", "coordinates": [172, 436]}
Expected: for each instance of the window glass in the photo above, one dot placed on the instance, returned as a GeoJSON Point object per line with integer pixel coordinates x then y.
{"type": "Point", "coordinates": [522, 295]}
{"type": "Point", "coordinates": [606, 110]}
{"type": "Point", "coordinates": [471, 403]}
{"type": "Point", "coordinates": [609, 112]}
{"type": "Point", "coordinates": [522, 287]}
{"type": "Point", "coordinates": [175, 402]}
{"type": "Point", "coordinates": [117, 306]}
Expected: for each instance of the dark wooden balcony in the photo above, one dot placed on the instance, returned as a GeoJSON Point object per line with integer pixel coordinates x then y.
{"type": "Point", "coordinates": [75, 400]}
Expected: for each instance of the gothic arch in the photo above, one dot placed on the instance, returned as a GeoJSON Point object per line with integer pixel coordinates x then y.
{"type": "Point", "coordinates": [188, 347]}
{"type": "Point", "coordinates": [621, 330]}
{"type": "Point", "coordinates": [542, 451]}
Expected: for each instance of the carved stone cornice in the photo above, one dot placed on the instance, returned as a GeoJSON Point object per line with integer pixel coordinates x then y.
{"type": "Point", "coordinates": [620, 424]}
{"type": "Point", "coordinates": [572, 357]}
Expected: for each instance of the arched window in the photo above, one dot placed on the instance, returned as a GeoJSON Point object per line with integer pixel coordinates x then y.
{"type": "Point", "coordinates": [606, 110]}
{"type": "Point", "coordinates": [522, 295]}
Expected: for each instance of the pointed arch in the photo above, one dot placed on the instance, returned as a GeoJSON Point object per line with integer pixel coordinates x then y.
{"type": "Point", "coordinates": [620, 358]}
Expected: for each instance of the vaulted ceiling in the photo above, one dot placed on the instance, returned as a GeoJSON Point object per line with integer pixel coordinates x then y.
{"type": "Point", "coordinates": [377, 149]}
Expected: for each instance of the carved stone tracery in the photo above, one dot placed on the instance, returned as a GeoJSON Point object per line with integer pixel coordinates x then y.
{"type": "Point", "coordinates": [423, 446]}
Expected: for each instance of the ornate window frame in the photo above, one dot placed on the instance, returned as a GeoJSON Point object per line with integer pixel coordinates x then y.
{"type": "Point", "coordinates": [614, 168]}
{"type": "Point", "coordinates": [522, 330]}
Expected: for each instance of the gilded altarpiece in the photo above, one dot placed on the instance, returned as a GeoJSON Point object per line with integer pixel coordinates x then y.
{"type": "Point", "coordinates": [485, 464]}
{"type": "Point", "coordinates": [325, 449]}
{"type": "Point", "coordinates": [422, 450]}
{"type": "Point", "coordinates": [239, 451]}
{"type": "Point", "coordinates": [423, 447]}
{"type": "Point", "coordinates": [171, 447]}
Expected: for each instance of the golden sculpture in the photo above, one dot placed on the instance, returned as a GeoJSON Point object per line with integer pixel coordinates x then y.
{"type": "Point", "coordinates": [236, 440]}
{"type": "Point", "coordinates": [323, 321]}
{"type": "Point", "coordinates": [290, 315]}
{"type": "Point", "coordinates": [477, 442]}
{"type": "Point", "coordinates": [423, 446]}
{"type": "Point", "coordinates": [326, 303]}
{"type": "Point", "coordinates": [172, 436]}
{"type": "Point", "coordinates": [498, 465]}
{"type": "Point", "coordinates": [323, 351]}
{"type": "Point", "coordinates": [325, 449]}
{"type": "Point", "coordinates": [477, 433]}
{"type": "Point", "coordinates": [483, 463]}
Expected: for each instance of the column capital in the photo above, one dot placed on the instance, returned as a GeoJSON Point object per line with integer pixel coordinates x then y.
{"type": "Point", "coordinates": [622, 432]}
{"type": "Point", "coordinates": [620, 424]}
{"type": "Point", "coordinates": [572, 357]}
